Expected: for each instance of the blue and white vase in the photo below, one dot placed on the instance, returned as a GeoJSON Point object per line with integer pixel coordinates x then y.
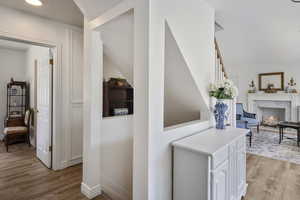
{"type": "Point", "coordinates": [220, 113]}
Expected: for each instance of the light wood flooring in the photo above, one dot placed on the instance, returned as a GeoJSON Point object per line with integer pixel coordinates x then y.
{"type": "Point", "coordinates": [270, 179]}
{"type": "Point", "coordinates": [23, 177]}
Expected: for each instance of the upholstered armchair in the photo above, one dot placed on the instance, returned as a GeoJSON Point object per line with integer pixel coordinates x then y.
{"type": "Point", "coordinates": [18, 131]}
{"type": "Point", "coordinates": [244, 124]}
{"type": "Point", "coordinates": [250, 118]}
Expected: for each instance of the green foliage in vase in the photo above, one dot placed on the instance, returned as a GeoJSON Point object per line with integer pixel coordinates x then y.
{"type": "Point", "coordinates": [224, 89]}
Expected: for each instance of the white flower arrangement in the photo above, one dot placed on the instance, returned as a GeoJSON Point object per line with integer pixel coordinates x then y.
{"type": "Point", "coordinates": [223, 89]}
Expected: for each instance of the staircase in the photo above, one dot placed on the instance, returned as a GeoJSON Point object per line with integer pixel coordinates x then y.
{"type": "Point", "coordinates": [219, 68]}
{"type": "Point", "coordinates": [220, 74]}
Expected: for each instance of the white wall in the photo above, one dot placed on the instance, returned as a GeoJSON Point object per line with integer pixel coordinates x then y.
{"type": "Point", "coordinates": [180, 89]}
{"type": "Point", "coordinates": [12, 65]}
{"type": "Point", "coordinates": [116, 133]}
{"type": "Point", "coordinates": [110, 70]}
{"type": "Point", "coordinates": [117, 36]}
{"type": "Point", "coordinates": [68, 76]}
{"type": "Point", "coordinates": [117, 156]}
{"type": "Point", "coordinates": [193, 26]}
{"type": "Point", "coordinates": [242, 75]}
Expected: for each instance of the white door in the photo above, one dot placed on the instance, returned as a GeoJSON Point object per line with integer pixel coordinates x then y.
{"type": "Point", "coordinates": [44, 111]}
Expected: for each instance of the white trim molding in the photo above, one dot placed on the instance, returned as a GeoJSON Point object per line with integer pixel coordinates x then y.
{"type": "Point", "coordinates": [90, 192]}
{"type": "Point", "coordinates": [112, 13]}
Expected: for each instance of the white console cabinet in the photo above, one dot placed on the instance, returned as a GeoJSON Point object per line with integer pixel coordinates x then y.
{"type": "Point", "coordinates": [210, 165]}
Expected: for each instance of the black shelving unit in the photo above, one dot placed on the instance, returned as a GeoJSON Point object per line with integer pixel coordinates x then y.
{"type": "Point", "coordinates": [117, 94]}
{"type": "Point", "coordinates": [17, 99]}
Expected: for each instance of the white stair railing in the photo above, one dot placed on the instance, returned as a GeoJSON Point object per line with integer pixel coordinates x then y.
{"type": "Point", "coordinates": [219, 68]}
{"type": "Point", "coordinates": [220, 74]}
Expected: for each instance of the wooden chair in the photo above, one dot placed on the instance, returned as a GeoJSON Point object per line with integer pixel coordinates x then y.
{"type": "Point", "coordinates": [18, 131]}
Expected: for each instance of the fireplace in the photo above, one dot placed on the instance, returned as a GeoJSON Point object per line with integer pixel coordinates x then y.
{"type": "Point", "coordinates": [269, 113]}
{"type": "Point", "coordinates": [271, 116]}
{"type": "Point", "coordinates": [271, 108]}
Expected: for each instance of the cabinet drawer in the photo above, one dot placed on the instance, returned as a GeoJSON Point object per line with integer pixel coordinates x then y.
{"type": "Point", "coordinates": [219, 157]}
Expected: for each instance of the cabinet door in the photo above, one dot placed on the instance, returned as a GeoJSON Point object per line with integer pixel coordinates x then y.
{"type": "Point", "coordinates": [241, 168]}
{"type": "Point", "coordinates": [233, 188]}
{"type": "Point", "coordinates": [220, 182]}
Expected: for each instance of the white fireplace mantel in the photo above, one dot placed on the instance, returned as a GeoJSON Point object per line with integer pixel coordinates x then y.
{"type": "Point", "coordinates": [277, 97]}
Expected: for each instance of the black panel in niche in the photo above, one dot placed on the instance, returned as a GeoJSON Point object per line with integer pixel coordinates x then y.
{"type": "Point", "coordinates": [117, 97]}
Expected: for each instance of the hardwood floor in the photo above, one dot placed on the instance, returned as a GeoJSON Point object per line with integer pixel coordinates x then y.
{"type": "Point", "coordinates": [23, 177]}
{"type": "Point", "coordinates": [270, 179]}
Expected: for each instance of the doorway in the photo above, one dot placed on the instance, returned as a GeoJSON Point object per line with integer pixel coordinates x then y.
{"type": "Point", "coordinates": [37, 74]}
{"type": "Point", "coordinates": [43, 106]}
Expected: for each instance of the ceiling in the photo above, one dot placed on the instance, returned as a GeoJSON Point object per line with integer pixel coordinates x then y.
{"type": "Point", "coordinates": [64, 11]}
{"type": "Point", "coordinates": [259, 32]}
{"type": "Point", "coordinates": [94, 8]}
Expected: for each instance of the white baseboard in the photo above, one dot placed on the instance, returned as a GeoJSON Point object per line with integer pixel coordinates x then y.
{"type": "Point", "coordinates": [244, 191]}
{"type": "Point", "coordinates": [90, 192]}
{"type": "Point", "coordinates": [75, 161]}
{"type": "Point", "coordinates": [72, 162]}
{"type": "Point", "coordinates": [114, 191]}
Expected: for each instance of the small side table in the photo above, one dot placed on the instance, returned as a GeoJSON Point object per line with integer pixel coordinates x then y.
{"type": "Point", "coordinates": [285, 124]}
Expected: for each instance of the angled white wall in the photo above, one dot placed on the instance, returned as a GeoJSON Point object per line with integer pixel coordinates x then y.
{"type": "Point", "coordinates": [182, 100]}
{"type": "Point", "coordinates": [117, 36]}
{"type": "Point", "coordinates": [192, 25]}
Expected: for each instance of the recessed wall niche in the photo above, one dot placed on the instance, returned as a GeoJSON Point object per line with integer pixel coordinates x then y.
{"type": "Point", "coordinates": [118, 49]}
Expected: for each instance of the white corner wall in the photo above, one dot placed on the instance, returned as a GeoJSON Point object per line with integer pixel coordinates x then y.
{"type": "Point", "coordinates": [12, 65]}
{"type": "Point", "coordinates": [117, 156]}
{"type": "Point", "coordinates": [69, 42]}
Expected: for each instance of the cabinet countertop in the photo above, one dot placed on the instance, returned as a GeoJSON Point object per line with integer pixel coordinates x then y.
{"type": "Point", "coordinates": [210, 141]}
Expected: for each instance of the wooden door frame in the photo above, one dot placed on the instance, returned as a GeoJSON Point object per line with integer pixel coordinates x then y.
{"type": "Point", "coordinates": [57, 146]}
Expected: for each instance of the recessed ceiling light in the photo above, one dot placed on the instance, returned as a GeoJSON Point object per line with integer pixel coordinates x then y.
{"type": "Point", "coordinates": [34, 2]}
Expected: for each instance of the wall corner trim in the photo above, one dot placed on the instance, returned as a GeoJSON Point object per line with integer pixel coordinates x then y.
{"type": "Point", "coordinates": [90, 192]}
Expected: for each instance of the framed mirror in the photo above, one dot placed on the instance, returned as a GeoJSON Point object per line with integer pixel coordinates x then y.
{"type": "Point", "coordinates": [271, 80]}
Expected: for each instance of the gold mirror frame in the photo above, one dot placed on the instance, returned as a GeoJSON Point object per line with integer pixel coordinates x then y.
{"type": "Point", "coordinates": [281, 76]}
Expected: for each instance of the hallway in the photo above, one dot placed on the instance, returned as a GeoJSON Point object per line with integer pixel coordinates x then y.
{"type": "Point", "coordinates": [23, 177]}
